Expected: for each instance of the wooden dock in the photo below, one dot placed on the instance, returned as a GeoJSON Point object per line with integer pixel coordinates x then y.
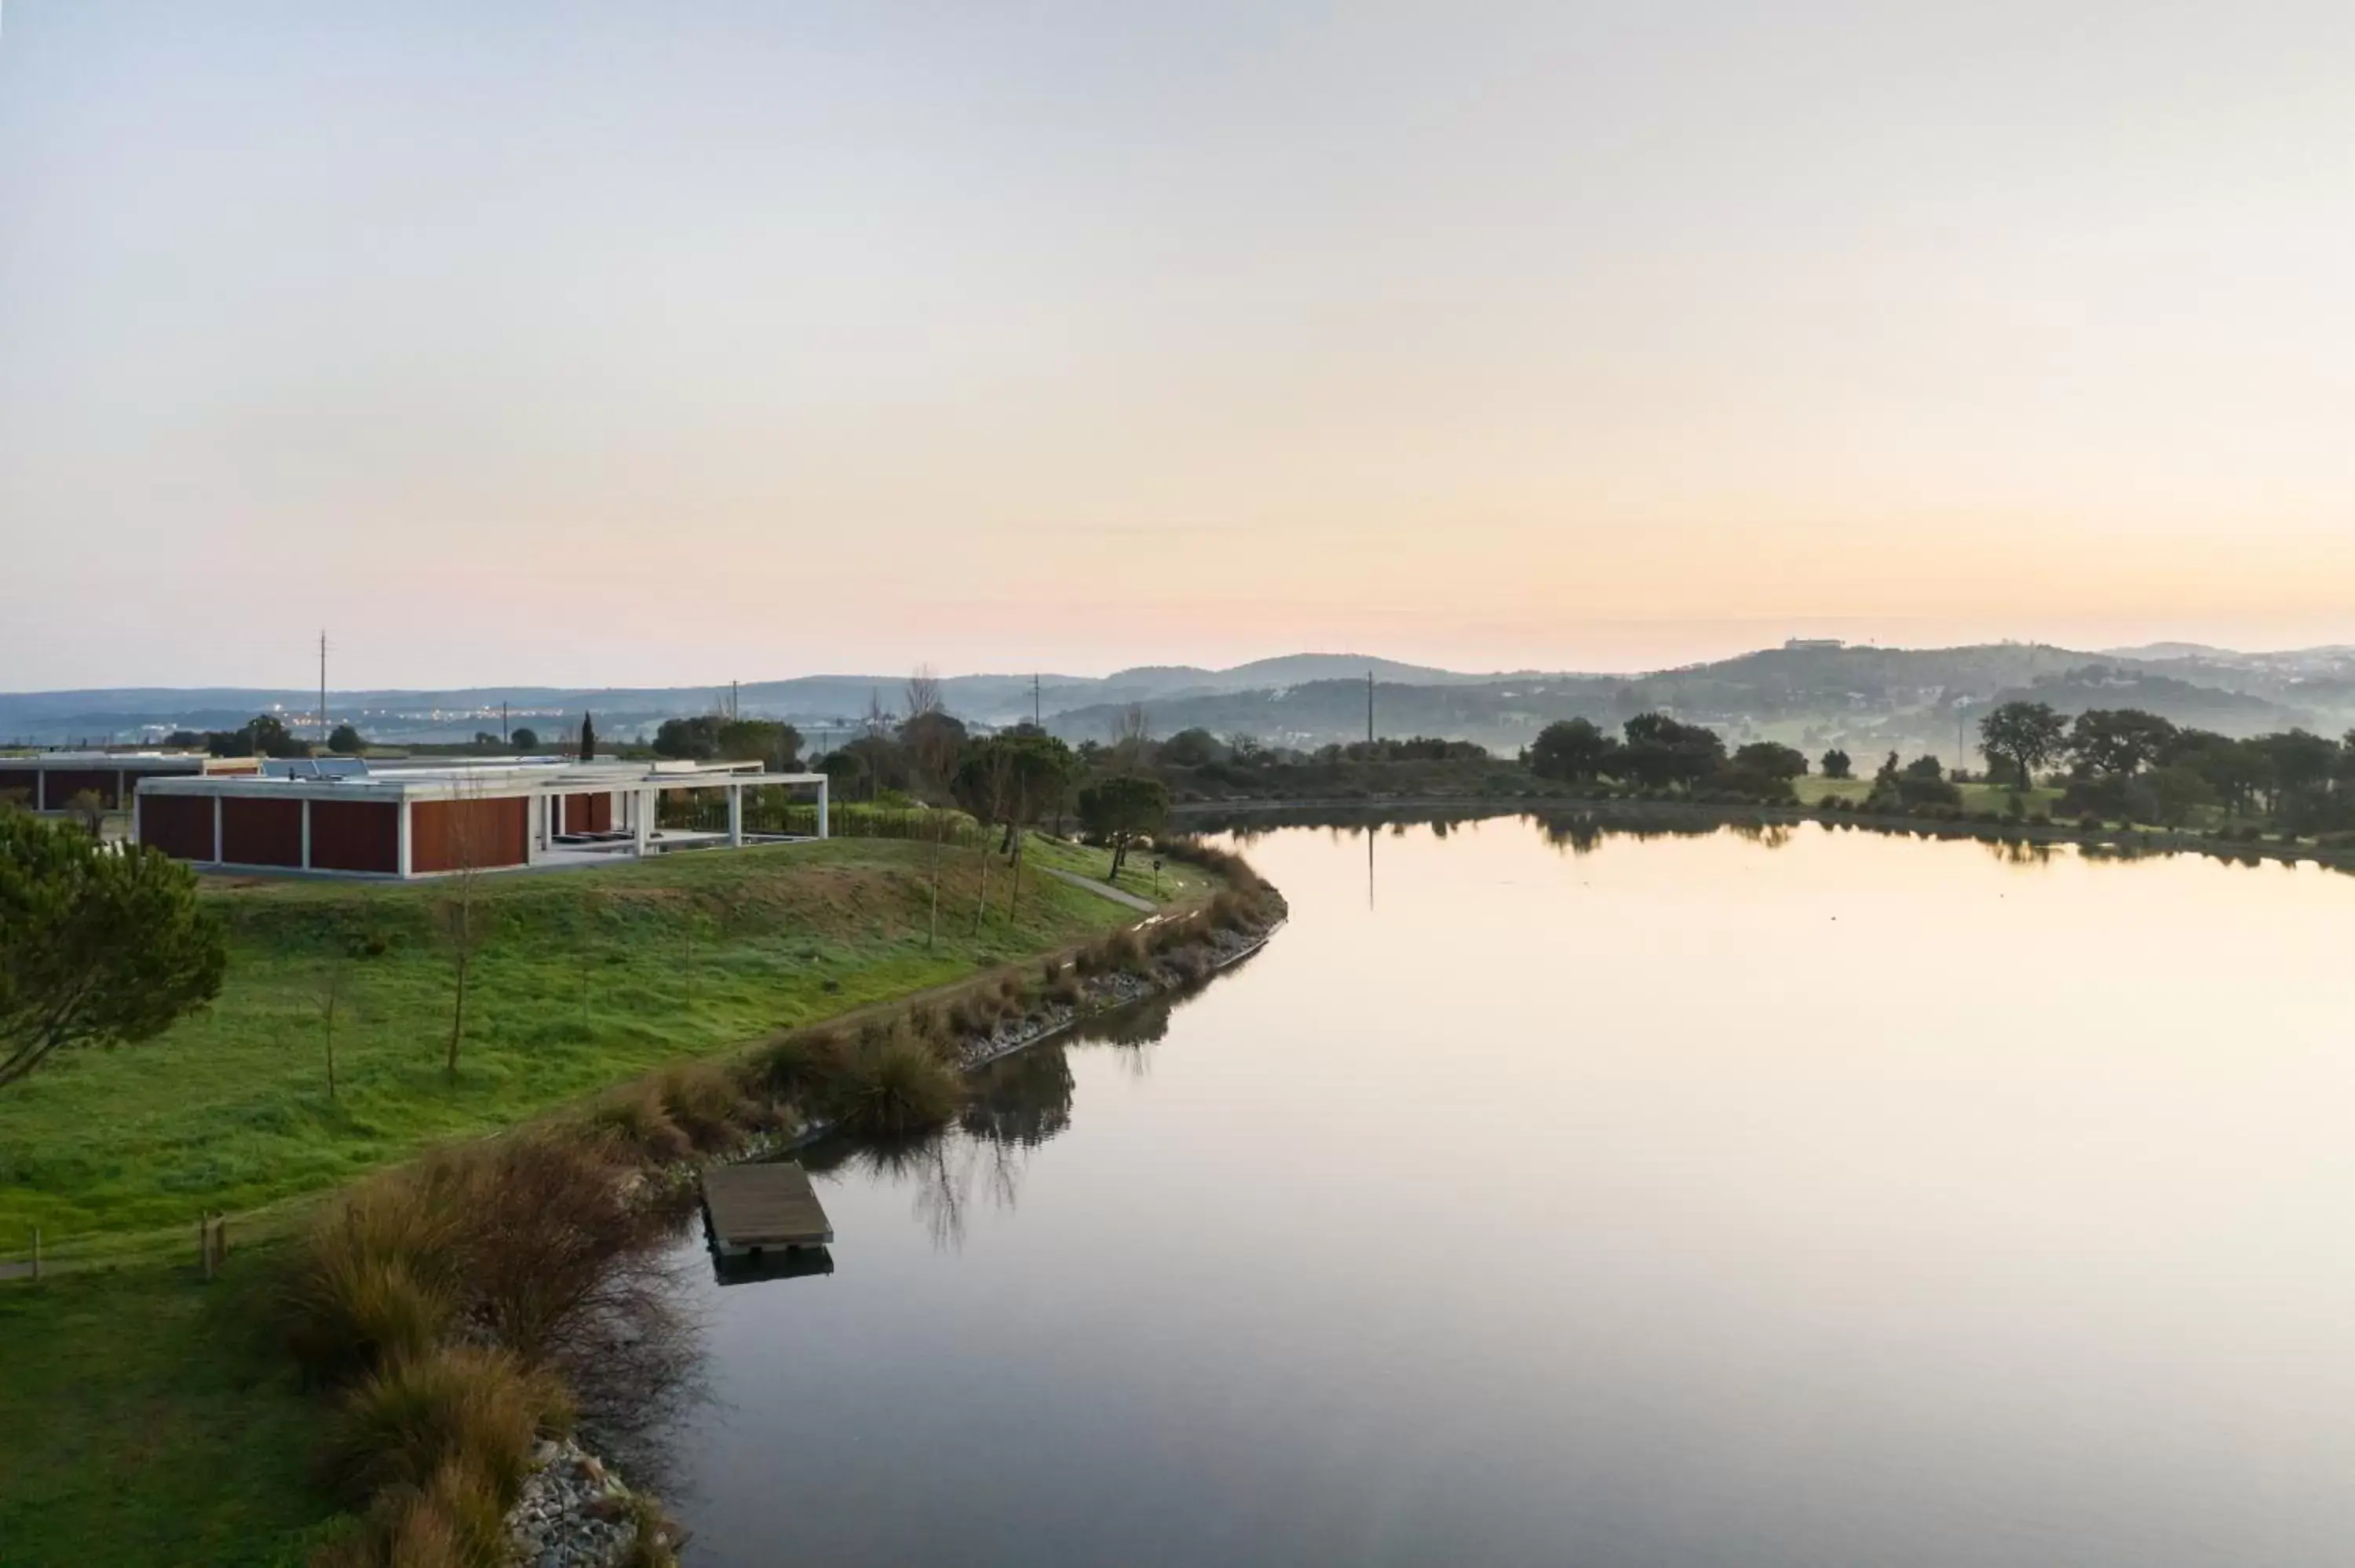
{"type": "Point", "coordinates": [751, 1209]}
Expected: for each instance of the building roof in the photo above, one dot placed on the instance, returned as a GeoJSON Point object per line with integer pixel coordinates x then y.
{"type": "Point", "coordinates": [131, 759]}
{"type": "Point", "coordinates": [451, 779]}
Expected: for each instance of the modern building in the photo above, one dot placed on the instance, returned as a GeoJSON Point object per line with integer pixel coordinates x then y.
{"type": "Point", "coordinates": [49, 780]}
{"type": "Point", "coordinates": [348, 818]}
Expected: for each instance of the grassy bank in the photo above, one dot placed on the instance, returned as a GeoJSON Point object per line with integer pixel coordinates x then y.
{"type": "Point", "coordinates": [160, 1419]}
{"type": "Point", "coordinates": [586, 979]}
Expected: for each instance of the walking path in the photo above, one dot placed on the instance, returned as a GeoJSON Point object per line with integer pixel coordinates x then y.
{"type": "Point", "coordinates": [1118, 896]}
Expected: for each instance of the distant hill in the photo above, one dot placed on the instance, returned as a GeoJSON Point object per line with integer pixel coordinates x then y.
{"type": "Point", "coordinates": [1809, 694]}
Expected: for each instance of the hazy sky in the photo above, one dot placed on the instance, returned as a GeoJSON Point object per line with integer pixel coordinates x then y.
{"type": "Point", "coordinates": [646, 344]}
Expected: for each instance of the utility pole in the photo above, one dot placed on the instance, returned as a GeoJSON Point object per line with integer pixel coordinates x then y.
{"type": "Point", "coordinates": [322, 685]}
{"type": "Point", "coordinates": [1370, 707]}
{"type": "Point", "coordinates": [503, 723]}
{"type": "Point", "coordinates": [734, 711]}
{"type": "Point", "coordinates": [1036, 721]}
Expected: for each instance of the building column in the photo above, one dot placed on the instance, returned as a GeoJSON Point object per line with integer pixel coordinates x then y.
{"type": "Point", "coordinates": [217, 830]}
{"type": "Point", "coordinates": [40, 788]}
{"type": "Point", "coordinates": [134, 822]}
{"type": "Point", "coordinates": [122, 788]}
{"type": "Point", "coordinates": [821, 806]}
{"type": "Point", "coordinates": [642, 810]}
{"type": "Point", "coordinates": [735, 816]}
{"type": "Point", "coordinates": [401, 859]}
{"type": "Point", "coordinates": [307, 833]}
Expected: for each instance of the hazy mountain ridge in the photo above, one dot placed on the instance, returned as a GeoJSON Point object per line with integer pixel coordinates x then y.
{"type": "Point", "coordinates": [1863, 694]}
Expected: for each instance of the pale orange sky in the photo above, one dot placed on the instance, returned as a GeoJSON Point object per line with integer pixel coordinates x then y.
{"type": "Point", "coordinates": [577, 345]}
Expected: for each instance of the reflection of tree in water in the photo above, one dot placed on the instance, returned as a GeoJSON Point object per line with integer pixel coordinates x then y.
{"type": "Point", "coordinates": [2018, 851]}
{"type": "Point", "coordinates": [637, 1367]}
{"type": "Point", "coordinates": [1023, 1099]}
{"type": "Point", "coordinates": [1016, 1104]}
{"type": "Point", "coordinates": [1133, 1030]}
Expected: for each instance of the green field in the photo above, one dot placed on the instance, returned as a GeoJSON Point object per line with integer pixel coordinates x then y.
{"type": "Point", "coordinates": [152, 1421]}
{"type": "Point", "coordinates": [1815, 789]}
{"type": "Point", "coordinates": [587, 977]}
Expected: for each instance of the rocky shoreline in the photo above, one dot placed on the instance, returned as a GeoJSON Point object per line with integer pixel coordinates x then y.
{"type": "Point", "coordinates": [575, 1512]}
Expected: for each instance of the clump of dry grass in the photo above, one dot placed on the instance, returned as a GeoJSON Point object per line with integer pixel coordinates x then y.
{"type": "Point", "coordinates": [793, 1066]}
{"type": "Point", "coordinates": [707, 1103]}
{"type": "Point", "coordinates": [636, 1115]}
{"type": "Point", "coordinates": [892, 1085]}
{"type": "Point", "coordinates": [376, 1281]}
{"type": "Point", "coordinates": [464, 1409]}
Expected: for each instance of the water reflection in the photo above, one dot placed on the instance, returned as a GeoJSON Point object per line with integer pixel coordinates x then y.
{"type": "Point", "coordinates": [776, 1263]}
{"type": "Point", "coordinates": [1868, 1200]}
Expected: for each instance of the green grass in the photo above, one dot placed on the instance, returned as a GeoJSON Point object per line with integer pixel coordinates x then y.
{"type": "Point", "coordinates": [1815, 789]}
{"type": "Point", "coordinates": [152, 1419]}
{"type": "Point", "coordinates": [589, 978]}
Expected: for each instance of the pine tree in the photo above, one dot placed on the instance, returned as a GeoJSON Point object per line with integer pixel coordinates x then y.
{"type": "Point", "coordinates": [588, 739]}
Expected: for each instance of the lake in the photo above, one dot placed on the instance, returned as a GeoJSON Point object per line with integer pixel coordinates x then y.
{"type": "Point", "coordinates": [1678, 1199]}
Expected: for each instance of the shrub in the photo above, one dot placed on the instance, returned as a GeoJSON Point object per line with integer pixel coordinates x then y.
{"type": "Point", "coordinates": [376, 1281]}
{"type": "Point", "coordinates": [550, 1239]}
{"type": "Point", "coordinates": [705, 1102]}
{"type": "Point", "coordinates": [893, 1087]}
{"type": "Point", "coordinates": [478, 1410]}
{"type": "Point", "coordinates": [793, 1066]}
{"type": "Point", "coordinates": [455, 1521]}
{"type": "Point", "coordinates": [639, 1121]}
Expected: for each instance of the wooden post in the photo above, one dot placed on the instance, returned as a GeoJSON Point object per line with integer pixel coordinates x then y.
{"type": "Point", "coordinates": [205, 1243]}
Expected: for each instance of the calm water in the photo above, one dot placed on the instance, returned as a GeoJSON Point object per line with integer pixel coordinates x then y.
{"type": "Point", "coordinates": [1686, 1200]}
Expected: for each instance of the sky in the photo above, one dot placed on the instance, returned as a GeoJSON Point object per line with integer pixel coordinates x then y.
{"type": "Point", "coordinates": [583, 344]}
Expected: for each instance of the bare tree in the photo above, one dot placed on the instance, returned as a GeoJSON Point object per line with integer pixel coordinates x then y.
{"type": "Point", "coordinates": [327, 993]}
{"type": "Point", "coordinates": [922, 695]}
{"type": "Point", "coordinates": [940, 831]}
{"type": "Point", "coordinates": [1131, 728]}
{"type": "Point", "coordinates": [997, 782]}
{"type": "Point", "coordinates": [460, 919]}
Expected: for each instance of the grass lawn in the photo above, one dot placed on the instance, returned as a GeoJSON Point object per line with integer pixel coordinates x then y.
{"type": "Point", "coordinates": [1815, 789]}
{"type": "Point", "coordinates": [150, 1420]}
{"type": "Point", "coordinates": [587, 977]}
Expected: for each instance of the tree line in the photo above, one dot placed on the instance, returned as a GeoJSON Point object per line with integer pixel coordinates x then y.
{"type": "Point", "coordinates": [2127, 765]}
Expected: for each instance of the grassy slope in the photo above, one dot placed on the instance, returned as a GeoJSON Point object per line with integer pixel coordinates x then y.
{"type": "Point", "coordinates": [585, 981]}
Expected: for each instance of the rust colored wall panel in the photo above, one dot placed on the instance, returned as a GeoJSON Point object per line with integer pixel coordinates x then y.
{"type": "Point", "coordinates": [65, 783]}
{"type": "Point", "coordinates": [589, 813]}
{"type": "Point", "coordinates": [444, 835]}
{"type": "Point", "coordinates": [179, 825]}
{"type": "Point", "coordinates": [261, 833]}
{"type": "Point", "coordinates": [355, 835]}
